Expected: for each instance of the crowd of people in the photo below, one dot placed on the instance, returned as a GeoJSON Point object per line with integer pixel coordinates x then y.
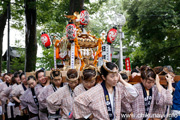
{"type": "Point", "coordinates": [96, 94]}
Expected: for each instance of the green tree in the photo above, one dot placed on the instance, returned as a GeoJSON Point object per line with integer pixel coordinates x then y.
{"type": "Point", "coordinates": [4, 66]}
{"type": "Point", "coordinates": [16, 14]}
{"type": "Point", "coordinates": [46, 15]}
{"type": "Point", "coordinates": [154, 26]}
{"type": "Point", "coordinates": [56, 23]}
{"type": "Point", "coordinates": [18, 63]}
{"type": "Point", "coordinates": [47, 61]}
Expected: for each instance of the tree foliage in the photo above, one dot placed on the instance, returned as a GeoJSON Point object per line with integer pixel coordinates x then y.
{"type": "Point", "coordinates": [151, 32]}
{"type": "Point", "coordinates": [154, 25]}
{"type": "Point", "coordinates": [54, 24]}
{"type": "Point", "coordinates": [18, 63]}
{"type": "Point", "coordinates": [47, 61]}
{"type": "Point", "coordinates": [15, 14]}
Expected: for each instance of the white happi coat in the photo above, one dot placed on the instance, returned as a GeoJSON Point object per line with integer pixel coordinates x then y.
{"type": "Point", "coordinates": [93, 102]}
{"type": "Point", "coordinates": [27, 101]}
{"type": "Point", "coordinates": [18, 91]}
{"type": "Point", "coordinates": [12, 111]}
{"type": "Point", "coordinates": [3, 99]}
{"type": "Point", "coordinates": [138, 107]}
{"type": "Point", "coordinates": [63, 99]}
{"type": "Point", "coordinates": [79, 89]}
{"type": "Point", "coordinates": [42, 99]}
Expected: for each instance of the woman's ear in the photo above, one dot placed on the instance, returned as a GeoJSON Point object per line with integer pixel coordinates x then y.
{"type": "Point", "coordinates": [103, 77]}
{"type": "Point", "coordinates": [141, 79]}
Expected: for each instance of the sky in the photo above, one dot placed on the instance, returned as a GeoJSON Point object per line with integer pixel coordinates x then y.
{"type": "Point", "coordinates": [93, 1]}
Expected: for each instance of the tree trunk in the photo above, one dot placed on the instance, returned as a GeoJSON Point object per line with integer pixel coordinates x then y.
{"type": "Point", "coordinates": [3, 18]}
{"type": "Point", "coordinates": [76, 5]}
{"type": "Point", "coordinates": [30, 37]}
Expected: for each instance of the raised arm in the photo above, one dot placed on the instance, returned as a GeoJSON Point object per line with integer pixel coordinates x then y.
{"type": "Point", "coordinates": [130, 91]}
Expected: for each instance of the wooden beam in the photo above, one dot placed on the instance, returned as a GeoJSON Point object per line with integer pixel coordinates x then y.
{"type": "Point", "coordinates": [163, 81]}
{"type": "Point", "coordinates": [136, 79]}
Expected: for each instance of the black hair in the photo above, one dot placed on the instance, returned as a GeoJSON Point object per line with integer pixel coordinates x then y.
{"type": "Point", "coordinates": [134, 70]}
{"type": "Point", "coordinates": [109, 65]}
{"type": "Point", "coordinates": [158, 70]}
{"type": "Point", "coordinates": [21, 75]}
{"type": "Point", "coordinates": [4, 76]}
{"type": "Point", "coordinates": [9, 73]}
{"type": "Point", "coordinates": [41, 70]}
{"type": "Point", "coordinates": [72, 73]}
{"type": "Point", "coordinates": [16, 74]}
{"type": "Point", "coordinates": [55, 74]}
{"type": "Point", "coordinates": [13, 81]}
{"type": "Point", "coordinates": [124, 76]}
{"type": "Point", "coordinates": [31, 77]}
{"type": "Point", "coordinates": [88, 74]}
{"type": "Point", "coordinates": [147, 72]}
